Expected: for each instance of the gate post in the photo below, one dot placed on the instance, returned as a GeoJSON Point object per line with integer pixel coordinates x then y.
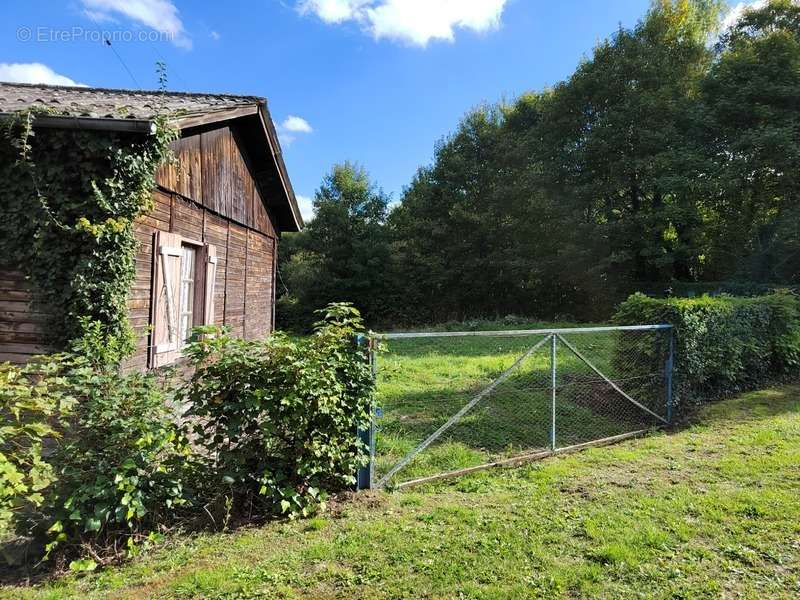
{"type": "Point", "coordinates": [669, 367]}
{"type": "Point", "coordinates": [373, 410]}
{"type": "Point", "coordinates": [364, 477]}
{"type": "Point", "coordinates": [553, 390]}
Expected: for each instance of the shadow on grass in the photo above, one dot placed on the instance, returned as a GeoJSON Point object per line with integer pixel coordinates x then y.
{"type": "Point", "coordinates": [512, 420]}
{"type": "Point", "coordinates": [198, 520]}
{"type": "Point", "coordinates": [777, 397]}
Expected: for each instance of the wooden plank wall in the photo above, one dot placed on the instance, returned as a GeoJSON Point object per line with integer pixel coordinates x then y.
{"type": "Point", "coordinates": [22, 333]}
{"type": "Point", "coordinates": [236, 278]}
{"type": "Point", "coordinates": [259, 285]}
{"type": "Point", "coordinates": [212, 169]}
{"type": "Point", "coordinates": [246, 252]}
{"type": "Point", "coordinates": [207, 195]}
{"type": "Point", "coordinates": [216, 232]}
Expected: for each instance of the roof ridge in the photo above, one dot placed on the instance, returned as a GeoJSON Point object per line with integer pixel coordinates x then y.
{"type": "Point", "coordinates": [72, 88]}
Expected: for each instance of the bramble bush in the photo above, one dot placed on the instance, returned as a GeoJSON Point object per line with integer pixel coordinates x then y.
{"type": "Point", "coordinates": [33, 404]}
{"type": "Point", "coordinates": [723, 344]}
{"type": "Point", "coordinates": [120, 464]}
{"type": "Point", "coordinates": [277, 418]}
{"type": "Point", "coordinates": [88, 456]}
{"type": "Point", "coordinates": [93, 461]}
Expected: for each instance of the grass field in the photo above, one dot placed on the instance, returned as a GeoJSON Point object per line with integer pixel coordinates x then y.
{"type": "Point", "coordinates": [710, 511]}
{"type": "Point", "coordinates": [422, 382]}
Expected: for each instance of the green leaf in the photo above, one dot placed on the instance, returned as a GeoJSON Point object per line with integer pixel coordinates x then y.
{"type": "Point", "coordinates": [93, 524]}
{"type": "Point", "coordinates": [82, 565]}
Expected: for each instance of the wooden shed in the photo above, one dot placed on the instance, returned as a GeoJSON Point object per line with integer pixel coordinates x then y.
{"type": "Point", "coordinates": [207, 252]}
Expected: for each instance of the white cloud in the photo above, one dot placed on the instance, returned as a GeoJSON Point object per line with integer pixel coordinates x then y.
{"type": "Point", "coordinates": [214, 36]}
{"type": "Point", "coordinates": [333, 11]}
{"type": "Point", "coordinates": [33, 73]}
{"type": "Point", "coordinates": [161, 15]}
{"type": "Point", "coordinates": [737, 12]}
{"type": "Point", "coordinates": [99, 17]}
{"type": "Point", "coordinates": [306, 206]}
{"type": "Point", "coordinates": [296, 125]}
{"type": "Point", "coordinates": [290, 127]}
{"type": "Point", "coordinates": [412, 21]}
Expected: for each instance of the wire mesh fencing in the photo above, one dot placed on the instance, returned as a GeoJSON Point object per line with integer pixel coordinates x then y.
{"type": "Point", "coordinates": [453, 402]}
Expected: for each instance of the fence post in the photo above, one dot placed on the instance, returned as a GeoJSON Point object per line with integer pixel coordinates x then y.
{"type": "Point", "coordinates": [364, 476]}
{"type": "Point", "coordinates": [553, 390]}
{"type": "Point", "coordinates": [669, 367]}
{"type": "Point", "coordinates": [373, 410]}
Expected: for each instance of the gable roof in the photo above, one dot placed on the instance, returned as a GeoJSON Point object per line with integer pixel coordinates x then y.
{"type": "Point", "coordinates": [134, 111]}
{"type": "Point", "coordinates": [102, 103]}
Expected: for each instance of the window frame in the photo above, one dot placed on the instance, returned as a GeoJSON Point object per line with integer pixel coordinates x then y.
{"type": "Point", "coordinates": [195, 283]}
{"type": "Point", "coordinates": [172, 245]}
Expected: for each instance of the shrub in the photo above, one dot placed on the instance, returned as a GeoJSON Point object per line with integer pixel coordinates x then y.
{"type": "Point", "coordinates": [696, 289]}
{"type": "Point", "coordinates": [32, 405]}
{"type": "Point", "coordinates": [87, 455]}
{"type": "Point", "coordinates": [277, 418]}
{"type": "Point", "coordinates": [120, 462]}
{"type": "Point", "coordinates": [92, 457]}
{"type": "Point", "coordinates": [723, 344]}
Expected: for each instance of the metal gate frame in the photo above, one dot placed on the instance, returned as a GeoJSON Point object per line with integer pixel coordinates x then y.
{"type": "Point", "coordinates": [366, 478]}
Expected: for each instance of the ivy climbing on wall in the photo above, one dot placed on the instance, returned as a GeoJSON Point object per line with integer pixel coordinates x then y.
{"type": "Point", "coordinates": [70, 198]}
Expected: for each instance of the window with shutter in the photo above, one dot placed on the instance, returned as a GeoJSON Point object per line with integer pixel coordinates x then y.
{"type": "Point", "coordinates": [187, 299]}
{"type": "Point", "coordinates": [210, 283]}
{"type": "Point", "coordinates": [165, 344]}
{"type": "Point", "coordinates": [183, 294]}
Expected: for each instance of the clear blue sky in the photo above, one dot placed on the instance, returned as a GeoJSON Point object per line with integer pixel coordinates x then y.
{"type": "Point", "coordinates": [376, 81]}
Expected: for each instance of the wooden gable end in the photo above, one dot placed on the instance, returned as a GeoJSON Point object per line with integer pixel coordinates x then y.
{"type": "Point", "coordinates": [207, 199]}
{"type": "Point", "coordinates": [212, 169]}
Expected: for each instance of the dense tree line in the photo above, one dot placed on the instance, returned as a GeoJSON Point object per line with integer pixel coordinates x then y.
{"type": "Point", "coordinates": [672, 154]}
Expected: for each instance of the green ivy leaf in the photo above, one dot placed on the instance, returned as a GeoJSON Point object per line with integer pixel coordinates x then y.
{"type": "Point", "coordinates": [93, 524]}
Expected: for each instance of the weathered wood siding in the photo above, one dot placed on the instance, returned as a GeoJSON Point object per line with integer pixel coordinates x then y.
{"type": "Point", "coordinates": [209, 196]}
{"type": "Point", "coordinates": [236, 276]}
{"type": "Point", "coordinates": [259, 285]}
{"type": "Point", "coordinates": [212, 169]}
{"type": "Point", "coordinates": [21, 327]}
{"type": "Point", "coordinates": [216, 232]}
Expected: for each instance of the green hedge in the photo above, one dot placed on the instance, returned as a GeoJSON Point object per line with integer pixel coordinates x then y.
{"type": "Point", "coordinates": [695, 289]}
{"type": "Point", "coordinates": [723, 344]}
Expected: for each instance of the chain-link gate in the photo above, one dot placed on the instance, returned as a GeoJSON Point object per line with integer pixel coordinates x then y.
{"type": "Point", "coordinates": [455, 402]}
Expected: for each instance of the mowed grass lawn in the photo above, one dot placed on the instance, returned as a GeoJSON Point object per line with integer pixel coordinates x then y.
{"type": "Point", "coordinates": [708, 511]}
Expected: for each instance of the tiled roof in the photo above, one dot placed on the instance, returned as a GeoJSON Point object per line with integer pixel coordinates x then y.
{"type": "Point", "coordinates": [131, 110]}
{"type": "Point", "coordinates": [102, 103]}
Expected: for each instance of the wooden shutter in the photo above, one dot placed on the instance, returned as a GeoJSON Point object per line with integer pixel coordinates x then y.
{"type": "Point", "coordinates": [165, 342]}
{"type": "Point", "coordinates": [210, 283]}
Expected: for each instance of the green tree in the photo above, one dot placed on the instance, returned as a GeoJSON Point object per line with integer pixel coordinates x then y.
{"type": "Point", "coordinates": [447, 230]}
{"type": "Point", "coordinates": [555, 203]}
{"type": "Point", "coordinates": [617, 139]}
{"type": "Point", "coordinates": [751, 97]}
{"type": "Point", "coordinates": [661, 158]}
{"type": "Point", "coordinates": [479, 234]}
{"type": "Point", "coordinates": [343, 253]}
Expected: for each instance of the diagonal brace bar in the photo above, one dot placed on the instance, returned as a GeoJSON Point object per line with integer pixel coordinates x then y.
{"type": "Point", "coordinates": [464, 410]}
{"type": "Point", "coordinates": [608, 381]}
